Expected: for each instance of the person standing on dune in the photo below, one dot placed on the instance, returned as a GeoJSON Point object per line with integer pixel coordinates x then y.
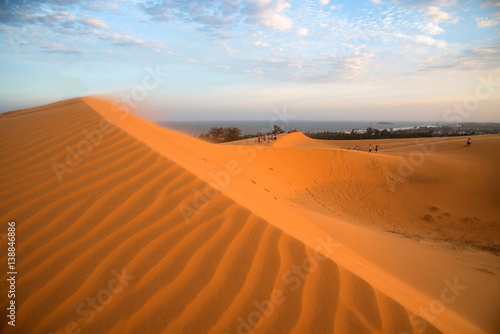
{"type": "Point", "coordinates": [468, 141]}
{"type": "Point", "coordinates": [376, 148]}
{"type": "Point", "coordinates": [370, 149]}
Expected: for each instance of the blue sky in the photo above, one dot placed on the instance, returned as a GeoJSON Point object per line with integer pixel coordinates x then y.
{"type": "Point", "coordinates": [236, 60]}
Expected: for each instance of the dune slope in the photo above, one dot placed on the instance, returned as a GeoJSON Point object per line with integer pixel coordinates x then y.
{"type": "Point", "coordinates": [435, 188]}
{"type": "Point", "coordinates": [310, 192]}
{"type": "Point", "coordinates": [108, 242]}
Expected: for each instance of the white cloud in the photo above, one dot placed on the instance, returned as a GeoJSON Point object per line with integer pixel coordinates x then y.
{"type": "Point", "coordinates": [257, 70]}
{"type": "Point", "coordinates": [486, 22]}
{"type": "Point", "coordinates": [277, 21]}
{"type": "Point", "coordinates": [434, 13]}
{"type": "Point", "coordinates": [96, 23]}
{"type": "Point", "coordinates": [323, 2]}
{"type": "Point", "coordinates": [377, 2]}
{"type": "Point", "coordinates": [302, 32]}
{"type": "Point", "coordinates": [472, 59]}
{"type": "Point", "coordinates": [421, 39]}
{"type": "Point", "coordinates": [224, 46]}
{"type": "Point", "coordinates": [425, 40]}
{"type": "Point", "coordinates": [490, 4]}
{"type": "Point", "coordinates": [432, 28]}
{"type": "Point", "coordinates": [59, 48]}
{"type": "Point", "coordinates": [353, 46]}
{"type": "Point", "coordinates": [263, 44]}
{"type": "Point", "coordinates": [280, 5]}
{"type": "Point", "coordinates": [324, 25]}
{"type": "Point", "coordinates": [268, 13]}
{"type": "Point", "coordinates": [352, 66]}
{"type": "Point", "coordinates": [124, 40]}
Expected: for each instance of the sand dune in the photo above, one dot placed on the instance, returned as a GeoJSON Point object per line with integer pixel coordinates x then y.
{"type": "Point", "coordinates": [385, 189]}
{"type": "Point", "coordinates": [126, 227]}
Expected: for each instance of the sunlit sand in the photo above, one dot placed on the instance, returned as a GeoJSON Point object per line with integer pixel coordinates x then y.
{"type": "Point", "coordinates": [127, 227]}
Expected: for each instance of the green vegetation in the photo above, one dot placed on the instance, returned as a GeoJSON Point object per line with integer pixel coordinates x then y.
{"type": "Point", "coordinates": [224, 135]}
{"type": "Point", "coordinates": [220, 135]}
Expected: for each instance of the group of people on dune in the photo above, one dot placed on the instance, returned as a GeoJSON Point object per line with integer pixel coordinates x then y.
{"type": "Point", "coordinates": [262, 139]}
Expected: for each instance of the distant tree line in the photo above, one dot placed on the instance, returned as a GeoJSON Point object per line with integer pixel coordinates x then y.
{"type": "Point", "coordinates": [370, 133]}
{"type": "Point", "coordinates": [222, 135]}
{"type": "Point", "coordinates": [441, 131]}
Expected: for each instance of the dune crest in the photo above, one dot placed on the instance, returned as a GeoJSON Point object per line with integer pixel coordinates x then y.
{"type": "Point", "coordinates": [126, 227]}
{"type": "Point", "coordinates": [294, 139]}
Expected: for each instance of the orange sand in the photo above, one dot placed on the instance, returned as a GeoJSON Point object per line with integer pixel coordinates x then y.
{"type": "Point", "coordinates": [147, 230]}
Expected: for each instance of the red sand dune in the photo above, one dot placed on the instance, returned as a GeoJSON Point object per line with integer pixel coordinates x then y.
{"type": "Point", "coordinates": [127, 227]}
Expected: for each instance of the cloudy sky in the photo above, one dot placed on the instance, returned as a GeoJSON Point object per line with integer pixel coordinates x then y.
{"type": "Point", "coordinates": [433, 60]}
